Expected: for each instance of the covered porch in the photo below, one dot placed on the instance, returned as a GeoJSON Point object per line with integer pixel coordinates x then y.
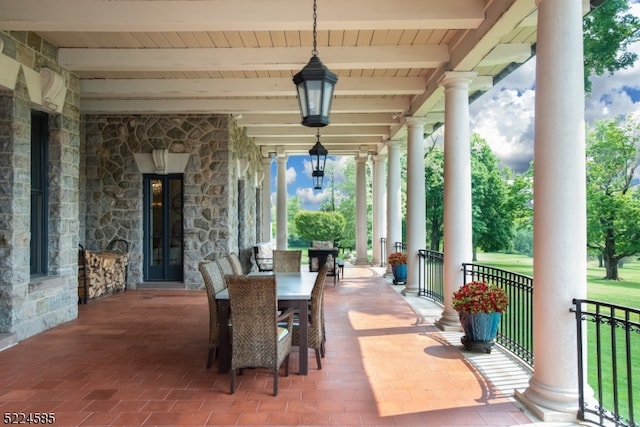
{"type": "Point", "coordinates": [138, 358]}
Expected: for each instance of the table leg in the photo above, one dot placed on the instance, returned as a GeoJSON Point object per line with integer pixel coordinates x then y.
{"type": "Point", "coordinates": [224, 358]}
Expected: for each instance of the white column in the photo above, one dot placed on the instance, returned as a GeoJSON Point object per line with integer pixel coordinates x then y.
{"type": "Point", "coordinates": [416, 238]}
{"type": "Point", "coordinates": [379, 193]}
{"type": "Point", "coordinates": [457, 189]}
{"type": "Point", "coordinates": [266, 200]}
{"type": "Point", "coordinates": [361, 210]}
{"type": "Point", "coordinates": [394, 218]}
{"type": "Point", "coordinates": [281, 208]}
{"type": "Point", "coordinates": [559, 216]}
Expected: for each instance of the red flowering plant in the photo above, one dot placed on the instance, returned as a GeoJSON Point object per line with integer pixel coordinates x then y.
{"type": "Point", "coordinates": [397, 258]}
{"type": "Point", "coordinates": [478, 297]}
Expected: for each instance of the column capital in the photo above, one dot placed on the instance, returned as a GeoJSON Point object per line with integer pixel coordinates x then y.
{"type": "Point", "coordinates": [266, 161]}
{"type": "Point", "coordinates": [461, 79]}
{"type": "Point", "coordinates": [415, 121]}
{"type": "Point", "coordinates": [379, 158]}
{"type": "Point", "coordinates": [280, 152]}
{"type": "Point", "coordinates": [394, 142]}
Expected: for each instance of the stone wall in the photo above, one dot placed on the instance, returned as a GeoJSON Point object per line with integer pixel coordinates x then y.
{"type": "Point", "coordinates": [212, 215]}
{"type": "Point", "coordinates": [29, 305]}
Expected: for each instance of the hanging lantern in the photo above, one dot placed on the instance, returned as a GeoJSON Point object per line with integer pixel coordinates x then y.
{"type": "Point", "coordinates": [315, 84]}
{"type": "Point", "coordinates": [318, 159]}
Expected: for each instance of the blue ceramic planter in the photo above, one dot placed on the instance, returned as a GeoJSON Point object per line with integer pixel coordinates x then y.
{"type": "Point", "coordinates": [480, 329]}
{"type": "Point", "coordinates": [399, 273]}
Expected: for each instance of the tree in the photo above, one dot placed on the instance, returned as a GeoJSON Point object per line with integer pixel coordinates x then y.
{"type": "Point", "coordinates": [319, 225]}
{"type": "Point", "coordinates": [294, 205]}
{"type": "Point", "coordinates": [519, 205]}
{"type": "Point", "coordinates": [492, 224]}
{"type": "Point", "coordinates": [608, 32]}
{"type": "Point", "coordinates": [613, 202]}
{"type": "Point", "coordinates": [434, 184]}
{"type": "Point", "coordinates": [347, 205]}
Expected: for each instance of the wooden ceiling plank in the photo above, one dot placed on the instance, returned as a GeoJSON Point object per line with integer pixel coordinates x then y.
{"type": "Point", "coordinates": [248, 38]}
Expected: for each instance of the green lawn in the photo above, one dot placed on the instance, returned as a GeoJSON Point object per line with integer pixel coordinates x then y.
{"type": "Point", "coordinates": [624, 292]}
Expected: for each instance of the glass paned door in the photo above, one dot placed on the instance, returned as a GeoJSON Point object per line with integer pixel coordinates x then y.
{"type": "Point", "coordinates": [163, 228]}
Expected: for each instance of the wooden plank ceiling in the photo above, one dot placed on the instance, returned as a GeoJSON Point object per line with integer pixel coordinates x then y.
{"type": "Point", "coordinates": [238, 57]}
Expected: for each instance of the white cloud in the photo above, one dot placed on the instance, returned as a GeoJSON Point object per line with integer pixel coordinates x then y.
{"type": "Point", "coordinates": [291, 175]}
{"type": "Point", "coordinates": [311, 199]}
{"type": "Point", "coordinates": [504, 117]}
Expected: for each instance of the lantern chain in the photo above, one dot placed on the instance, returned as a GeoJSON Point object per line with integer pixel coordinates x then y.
{"type": "Point", "coordinates": [314, 52]}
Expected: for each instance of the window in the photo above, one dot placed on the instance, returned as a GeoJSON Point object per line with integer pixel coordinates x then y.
{"type": "Point", "coordinates": [39, 194]}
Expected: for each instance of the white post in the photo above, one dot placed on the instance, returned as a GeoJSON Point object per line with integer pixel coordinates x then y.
{"type": "Point", "coordinates": [457, 190]}
{"type": "Point", "coordinates": [394, 218]}
{"type": "Point", "coordinates": [266, 199]}
{"type": "Point", "coordinates": [361, 210]}
{"type": "Point", "coordinates": [281, 208]}
{"type": "Point", "coordinates": [379, 213]}
{"type": "Point", "coordinates": [559, 216]}
{"type": "Point", "coordinates": [416, 238]}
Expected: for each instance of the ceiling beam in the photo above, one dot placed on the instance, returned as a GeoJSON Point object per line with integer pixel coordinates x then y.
{"type": "Point", "coordinates": [396, 104]}
{"type": "Point", "coordinates": [303, 131]}
{"type": "Point", "coordinates": [235, 15]}
{"type": "Point", "coordinates": [308, 141]}
{"type": "Point", "coordinates": [210, 88]}
{"type": "Point", "coordinates": [251, 59]}
{"type": "Point", "coordinates": [337, 119]}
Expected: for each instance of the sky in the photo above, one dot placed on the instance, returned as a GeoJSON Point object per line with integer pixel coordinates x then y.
{"type": "Point", "coordinates": [504, 117]}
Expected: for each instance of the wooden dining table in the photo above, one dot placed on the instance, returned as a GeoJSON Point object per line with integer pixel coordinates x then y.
{"type": "Point", "coordinates": [293, 290]}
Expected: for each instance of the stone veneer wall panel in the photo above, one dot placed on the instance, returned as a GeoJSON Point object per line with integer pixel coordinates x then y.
{"type": "Point", "coordinates": [114, 184]}
{"type": "Point", "coordinates": [31, 305]}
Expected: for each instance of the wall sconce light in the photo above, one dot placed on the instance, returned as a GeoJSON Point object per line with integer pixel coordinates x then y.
{"type": "Point", "coordinates": [315, 84]}
{"type": "Point", "coordinates": [318, 159]}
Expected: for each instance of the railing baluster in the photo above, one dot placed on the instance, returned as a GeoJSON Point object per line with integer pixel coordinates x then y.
{"type": "Point", "coordinates": [612, 382]}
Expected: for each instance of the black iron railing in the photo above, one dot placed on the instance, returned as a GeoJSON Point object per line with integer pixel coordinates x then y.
{"type": "Point", "coordinates": [613, 345]}
{"type": "Point", "coordinates": [400, 247]}
{"type": "Point", "coordinates": [430, 277]}
{"type": "Point", "coordinates": [516, 326]}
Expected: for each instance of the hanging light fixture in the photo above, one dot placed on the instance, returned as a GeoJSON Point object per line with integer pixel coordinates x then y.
{"type": "Point", "coordinates": [315, 84]}
{"type": "Point", "coordinates": [318, 159]}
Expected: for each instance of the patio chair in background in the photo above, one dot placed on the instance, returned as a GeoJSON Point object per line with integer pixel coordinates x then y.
{"type": "Point", "coordinates": [287, 261]}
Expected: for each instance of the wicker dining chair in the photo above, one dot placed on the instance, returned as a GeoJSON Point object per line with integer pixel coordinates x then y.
{"type": "Point", "coordinates": [258, 340]}
{"type": "Point", "coordinates": [225, 264]}
{"type": "Point", "coordinates": [315, 328]}
{"type": "Point", "coordinates": [285, 261]}
{"type": "Point", "coordinates": [213, 282]}
{"type": "Point", "coordinates": [236, 265]}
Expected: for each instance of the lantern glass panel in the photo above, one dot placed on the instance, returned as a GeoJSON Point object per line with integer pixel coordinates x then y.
{"type": "Point", "coordinates": [314, 92]}
{"type": "Point", "coordinates": [302, 99]}
{"type": "Point", "coordinates": [328, 96]}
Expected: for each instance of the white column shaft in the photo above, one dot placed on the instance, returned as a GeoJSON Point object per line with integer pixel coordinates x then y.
{"type": "Point", "coordinates": [361, 211]}
{"type": "Point", "coordinates": [379, 213]}
{"type": "Point", "coordinates": [559, 217]}
{"type": "Point", "coordinates": [265, 200]}
{"type": "Point", "coordinates": [416, 238]}
{"type": "Point", "coordinates": [394, 219]}
{"type": "Point", "coordinates": [457, 189]}
{"type": "Point", "coordinates": [281, 208]}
